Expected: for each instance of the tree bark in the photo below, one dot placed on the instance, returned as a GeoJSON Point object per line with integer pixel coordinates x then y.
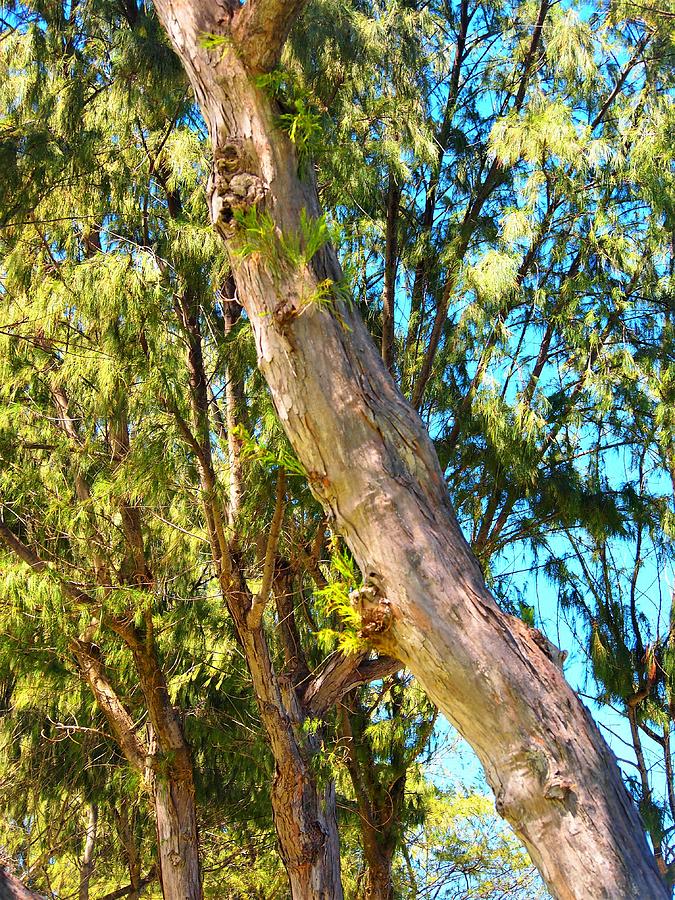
{"type": "Point", "coordinates": [87, 864]}
{"type": "Point", "coordinates": [176, 838]}
{"type": "Point", "coordinates": [124, 819]}
{"type": "Point", "coordinates": [372, 465]}
{"type": "Point", "coordinates": [306, 824]}
{"type": "Point", "coordinates": [378, 882]}
{"type": "Point", "coordinates": [171, 775]}
{"type": "Point", "coordinates": [166, 764]}
{"type": "Point", "coordinates": [13, 889]}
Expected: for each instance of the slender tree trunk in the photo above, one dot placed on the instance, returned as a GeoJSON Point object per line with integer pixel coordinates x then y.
{"type": "Point", "coordinates": [306, 827]}
{"type": "Point", "coordinates": [125, 829]}
{"type": "Point", "coordinates": [87, 863]}
{"type": "Point", "coordinates": [378, 840]}
{"type": "Point", "coordinates": [372, 465]}
{"type": "Point", "coordinates": [171, 776]}
{"type": "Point", "coordinates": [306, 823]}
{"type": "Point", "coordinates": [165, 761]}
{"type": "Point", "coordinates": [390, 265]}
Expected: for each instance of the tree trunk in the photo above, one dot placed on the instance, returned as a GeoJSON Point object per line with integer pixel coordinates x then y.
{"type": "Point", "coordinates": [373, 466]}
{"type": "Point", "coordinates": [308, 836]}
{"type": "Point", "coordinates": [379, 840]}
{"type": "Point", "coordinates": [13, 889]}
{"type": "Point", "coordinates": [87, 864]}
{"type": "Point", "coordinates": [125, 828]}
{"type": "Point", "coordinates": [170, 773]}
{"type": "Point", "coordinates": [176, 839]}
{"type": "Point", "coordinates": [306, 827]}
{"type": "Point", "coordinates": [166, 762]}
{"type": "Point", "coordinates": [378, 884]}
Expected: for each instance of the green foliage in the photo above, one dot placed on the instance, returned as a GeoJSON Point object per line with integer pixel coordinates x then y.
{"type": "Point", "coordinates": [533, 207]}
{"type": "Point", "coordinates": [301, 118]}
{"type": "Point", "coordinates": [259, 234]}
{"type": "Point", "coordinates": [269, 458]}
{"type": "Point", "coordinates": [333, 603]}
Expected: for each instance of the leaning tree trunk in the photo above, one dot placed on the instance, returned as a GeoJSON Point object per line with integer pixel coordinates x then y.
{"type": "Point", "coordinates": [373, 466]}
{"type": "Point", "coordinates": [165, 761]}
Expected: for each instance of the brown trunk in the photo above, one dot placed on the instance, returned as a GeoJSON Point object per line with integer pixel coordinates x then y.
{"type": "Point", "coordinates": [379, 839]}
{"type": "Point", "coordinates": [125, 830]}
{"type": "Point", "coordinates": [170, 774]}
{"type": "Point", "coordinates": [308, 836]}
{"type": "Point", "coordinates": [372, 465]}
{"type": "Point", "coordinates": [176, 838]}
{"type": "Point", "coordinates": [378, 883]}
{"type": "Point", "coordinates": [166, 763]}
{"type": "Point", "coordinates": [306, 826]}
{"type": "Point", "coordinates": [87, 863]}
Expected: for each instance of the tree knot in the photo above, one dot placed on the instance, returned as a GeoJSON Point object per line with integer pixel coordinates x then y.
{"type": "Point", "coordinates": [374, 609]}
{"type": "Point", "coordinates": [556, 655]}
{"type": "Point", "coordinates": [561, 790]}
{"type": "Point", "coordinates": [233, 186]}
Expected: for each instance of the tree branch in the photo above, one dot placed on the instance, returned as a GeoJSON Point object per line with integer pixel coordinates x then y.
{"type": "Point", "coordinates": [341, 674]}
{"type": "Point", "coordinates": [129, 888]}
{"type": "Point", "coordinates": [260, 29]}
{"type": "Point", "coordinates": [255, 614]}
{"type": "Point", "coordinates": [27, 555]}
{"type": "Point", "coordinates": [115, 712]}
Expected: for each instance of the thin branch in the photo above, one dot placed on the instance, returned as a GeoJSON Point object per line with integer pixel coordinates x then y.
{"type": "Point", "coordinates": [255, 614]}
{"type": "Point", "coordinates": [129, 888]}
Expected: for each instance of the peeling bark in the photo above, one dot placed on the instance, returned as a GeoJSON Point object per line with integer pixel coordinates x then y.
{"type": "Point", "coordinates": [373, 467]}
{"type": "Point", "coordinates": [176, 838]}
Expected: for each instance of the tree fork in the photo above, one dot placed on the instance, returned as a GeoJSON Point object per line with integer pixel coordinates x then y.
{"type": "Point", "coordinates": [374, 468]}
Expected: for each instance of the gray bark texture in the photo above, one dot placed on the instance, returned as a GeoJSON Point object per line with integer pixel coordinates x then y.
{"type": "Point", "coordinates": [372, 465]}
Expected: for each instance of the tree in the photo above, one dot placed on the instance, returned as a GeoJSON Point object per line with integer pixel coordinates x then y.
{"type": "Point", "coordinates": [371, 464]}
{"type": "Point", "coordinates": [100, 542]}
